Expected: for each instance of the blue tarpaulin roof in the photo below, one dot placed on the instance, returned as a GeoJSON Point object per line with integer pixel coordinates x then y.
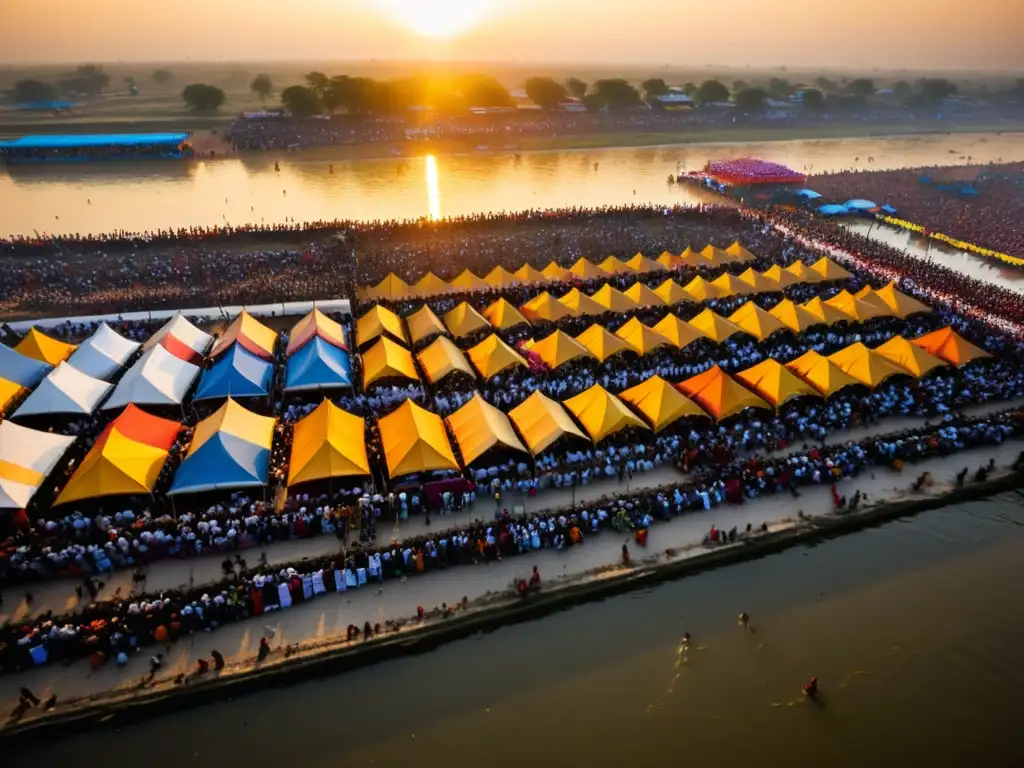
{"type": "Point", "coordinates": [809, 194]}
{"type": "Point", "coordinates": [20, 369]}
{"type": "Point", "coordinates": [860, 205]}
{"type": "Point", "coordinates": [223, 462]}
{"type": "Point", "coordinates": [888, 209]}
{"type": "Point", "coordinates": [57, 141]}
{"type": "Point", "coordinates": [318, 365]}
{"type": "Point", "coordinates": [237, 373]}
{"type": "Point", "coordinates": [832, 210]}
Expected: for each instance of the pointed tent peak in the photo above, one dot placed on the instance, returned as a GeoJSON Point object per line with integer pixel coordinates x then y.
{"type": "Point", "coordinates": [899, 303]}
{"type": "Point", "coordinates": [555, 272]}
{"type": "Point", "coordinates": [642, 265]}
{"type": "Point", "coordinates": [644, 296]}
{"type": "Point", "coordinates": [601, 343]}
{"type": "Point", "coordinates": [946, 344]}
{"type": "Point", "coordinates": [423, 324]}
{"type": "Point", "coordinates": [700, 290]}
{"type": "Point", "coordinates": [714, 326]}
{"type": "Point", "coordinates": [821, 373]}
{"type": "Point", "coordinates": [824, 313]}
{"type": "Point", "coordinates": [391, 287]}
{"type": "Point", "coordinates": [755, 321]}
{"type": "Point", "coordinates": [774, 383]}
{"type": "Point", "coordinates": [679, 332]}
{"type": "Point", "coordinates": [558, 349]}
{"type": "Point", "coordinates": [387, 360]}
{"type": "Point", "coordinates": [857, 309]}
{"type": "Point", "coordinates": [185, 331]}
{"type": "Point", "coordinates": [759, 282]}
{"type": "Point", "coordinates": [414, 440]}
{"type": "Point", "coordinates": [689, 258]}
{"type": "Point", "coordinates": [21, 370]}
{"type": "Point", "coordinates": [660, 403]}
{"type": "Point", "coordinates": [478, 427]}
{"type": "Point", "coordinates": [780, 277]}
{"type": "Point", "coordinates": [544, 308]}
{"type": "Point", "coordinates": [614, 266]}
{"type": "Point", "coordinates": [602, 414]}
{"type": "Point", "coordinates": [502, 315]}
{"type": "Point", "coordinates": [430, 285]}
{"type": "Point", "coordinates": [739, 253]}
{"type": "Point", "coordinates": [718, 394]}
{"type": "Point", "coordinates": [587, 270]}
{"type": "Point", "coordinates": [793, 316]}
{"type": "Point", "coordinates": [803, 273]}
{"type": "Point", "coordinates": [441, 358]}
{"type": "Point", "coordinates": [499, 277]}
{"type": "Point", "coordinates": [829, 270]}
{"type": "Point", "coordinates": [236, 420]}
{"type": "Point", "coordinates": [528, 274]}
{"type": "Point", "coordinates": [541, 421]}
{"type": "Point", "coordinates": [730, 285]}
{"type": "Point", "coordinates": [641, 339]}
{"type": "Point", "coordinates": [465, 321]}
{"type": "Point", "coordinates": [669, 261]}
{"type": "Point", "coordinates": [468, 281]}
{"type": "Point", "coordinates": [715, 257]}
{"type": "Point", "coordinates": [328, 442]}
{"type": "Point", "coordinates": [613, 299]}
{"type": "Point", "coordinates": [580, 305]}
{"type": "Point", "coordinates": [914, 360]}
{"type": "Point", "coordinates": [38, 346]}
{"type": "Point", "coordinates": [249, 333]}
{"type": "Point", "coordinates": [672, 293]}
{"type": "Point", "coordinates": [865, 365]}
{"type": "Point", "coordinates": [318, 325]}
{"type": "Point", "coordinates": [116, 465]}
{"type": "Point", "coordinates": [492, 356]}
{"type": "Point", "coordinates": [374, 323]}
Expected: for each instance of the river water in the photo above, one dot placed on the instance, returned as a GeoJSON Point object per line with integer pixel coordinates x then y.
{"type": "Point", "coordinates": [913, 629]}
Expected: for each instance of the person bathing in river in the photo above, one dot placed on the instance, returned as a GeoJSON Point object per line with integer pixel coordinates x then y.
{"type": "Point", "coordinates": [811, 687]}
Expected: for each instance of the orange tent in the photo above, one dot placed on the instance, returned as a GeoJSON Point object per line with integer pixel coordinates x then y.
{"type": "Point", "coordinates": [856, 309]}
{"type": "Point", "coordinates": [793, 316]}
{"type": "Point", "coordinates": [580, 305]}
{"type": "Point", "coordinates": [558, 349]}
{"type": "Point", "coordinates": [430, 285]}
{"type": "Point", "coordinates": [586, 270]}
{"type": "Point", "coordinates": [672, 292]}
{"type": "Point", "coordinates": [829, 270]}
{"type": "Point", "coordinates": [774, 383]}
{"type": "Point", "coordinates": [781, 277]}
{"type": "Point", "coordinates": [755, 321]}
{"type": "Point", "coordinates": [821, 373]}
{"type": "Point", "coordinates": [714, 257]}
{"type": "Point", "coordinates": [541, 421]}
{"type": "Point", "coordinates": [739, 253]}
{"type": "Point", "coordinates": [46, 349]}
{"type": "Point", "coordinates": [601, 343]}
{"type": "Point", "coordinates": [465, 321]}
{"type": "Point", "coordinates": [528, 274]}
{"type": "Point", "coordinates": [910, 357]}
{"type": "Point", "coordinates": [717, 393]}
{"type": "Point", "coordinates": [679, 332]}
{"type": "Point", "coordinates": [554, 272]}
{"type": "Point", "coordinates": [946, 344]}
{"type": "Point", "coordinates": [669, 261]}
{"type": "Point", "coordinates": [803, 273]}
{"type": "Point", "coordinates": [714, 326]}
{"type": "Point", "coordinates": [689, 258]}
{"type": "Point", "coordinates": [759, 282]}
{"type": "Point", "coordinates": [614, 266]}
{"type": "Point", "coordinates": [499, 277]}
{"type": "Point", "coordinates": [467, 281]}
{"type": "Point", "coordinates": [614, 300]}
{"type": "Point", "coordinates": [899, 303]}
{"type": "Point", "coordinates": [492, 356]}
{"type": "Point", "coordinates": [865, 365]}
{"type": "Point", "coordinates": [441, 358]}
{"type": "Point", "coordinates": [701, 290]}
{"type": "Point", "coordinates": [375, 322]}
{"type": "Point", "coordinates": [730, 285]}
{"type": "Point", "coordinates": [391, 287]}
{"type": "Point", "coordinates": [545, 308]}
{"type": "Point", "coordinates": [644, 296]}
{"type": "Point", "coordinates": [601, 414]}
{"type": "Point", "coordinates": [823, 313]}
{"type": "Point", "coordinates": [660, 403]}
{"type": "Point", "coordinates": [642, 339]}
{"type": "Point", "coordinates": [641, 264]}
{"type": "Point", "coordinates": [423, 324]}
{"type": "Point", "coordinates": [502, 315]}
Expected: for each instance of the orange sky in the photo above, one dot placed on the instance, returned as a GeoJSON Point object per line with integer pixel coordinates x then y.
{"type": "Point", "coordinates": [915, 34]}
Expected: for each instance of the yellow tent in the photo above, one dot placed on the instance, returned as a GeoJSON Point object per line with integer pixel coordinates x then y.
{"type": "Point", "coordinates": [601, 343]}
{"type": "Point", "coordinates": [700, 290]}
{"type": "Point", "coordinates": [601, 413]}
{"type": "Point", "coordinates": [430, 285]}
{"type": "Point", "coordinates": [375, 323]}
{"type": "Point", "coordinates": [8, 392]}
{"type": "Point", "coordinates": [856, 309]}
{"type": "Point", "coordinates": [713, 256]}
{"type": "Point", "coordinates": [441, 358]}
{"type": "Point", "coordinates": [714, 326]}
{"type": "Point", "coordinates": [558, 349]}
{"type": "Point", "coordinates": [614, 266]}
{"type": "Point", "coordinates": [910, 357]}
{"type": "Point", "coordinates": [528, 274]}
{"type": "Point", "coordinates": [672, 292]}
{"type": "Point", "coordinates": [865, 365]}
{"type": "Point", "coordinates": [467, 281]}
{"type": "Point", "coordinates": [478, 427]}
{"type": "Point", "coordinates": [644, 296]}
{"type": "Point", "coordinates": [803, 273]}
{"type": "Point", "coordinates": [829, 270]}
{"type": "Point", "coordinates": [114, 466]}
{"type": "Point", "coordinates": [499, 277]}
{"type": "Point", "coordinates": [642, 339]}
{"type": "Point", "coordinates": [755, 321]}
{"type": "Point", "coordinates": [492, 356]}
{"type": "Point", "coordinates": [780, 277]}
{"type": "Point", "coordinates": [641, 264]}
{"type": "Point", "coordinates": [660, 403]}
{"type": "Point", "coordinates": [465, 321]}
{"type": "Point", "coordinates": [329, 442]}
{"type": "Point", "coordinates": [823, 313]}
{"type": "Point", "coordinates": [387, 360]}
{"type": "Point", "coordinates": [669, 261]}
{"type": "Point", "coordinates": [542, 421]}
{"type": "Point", "coordinates": [545, 308]}
{"type": "Point", "coordinates": [759, 282]}
{"type": "Point", "coordinates": [502, 315]}
{"type": "Point", "coordinates": [717, 393]}
{"type": "Point", "coordinates": [39, 346]}
{"type": "Point", "coordinates": [793, 316]}
{"type": "Point", "coordinates": [250, 333]}
{"type": "Point", "coordinates": [946, 344]}
{"type": "Point", "coordinates": [580, 305]}
{"type": "Point", "coordinates": [414, 440]}
{"type": "Point", "coordinates": [423, 324]}
{"type": "Point", "coordinates": [774, 383]}
{"type": "Point", "coordinates": [689, 258]}
{"type": "Point", "coordinates": [614, 300]}
{"type": "Point", "coordinates": [730, 285]}
{"type": "Point", "coordinates": [391, 287]}
{"type": "Point", "coordinates": [899, 303]}
{"type": "Point", "coordinates": [586, 270]}
{"type": "Point", "coordinates": [739, 253]}
{"type": "Point", "coordinates": [555, 272]}
{"type": "Point", "coordinates": [821, 373]}
{"type": "Point", "coordinates": [679, 332]}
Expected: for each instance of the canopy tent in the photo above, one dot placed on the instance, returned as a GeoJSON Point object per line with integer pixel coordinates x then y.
{"type": "Point", "coordinates": [156, 378]}
{"type": "Point", "coordinates": [586, 270]}
{"type": "Point", "coordinates": [465, 321]}
{"type": "Point", "coordinates": [946, 344]}
{"type": "Point", "coordinates": [641, 339]}
{"type": "Point", "coordinates": [865, 365]}
{"type": "Point", "coordinates": [718, 394]}
{"type": "Point", "coordinates": [27, 456]}
{"type": "Point", "coordinates": [528, 274]}
{"type": "Point", "coordinates": [545, 308]}
{"type": "Point", "coordinates": [41, 347]}
{"type": "Point", "coordinates": [679, 332]}
{"type": "Point", "coordinates": [183, 333]}
{"type": "Point", "coordinates": [643, 296]}
{"type": "Point", "coordinates": [780, 277]}
{"type": "Point", "coordinates": [423, 324]}
{"type": "Point", "coordinates": [614, 300]}
{"type": "Point", "coordinates": [478, 427]}
{"type": "Point", "coordinates": [542, 422]}
{"type": "Point", "coordinates": [319, 365]}
{"type": "Point", "coordinates": [669, 260]}
{"type": "Point", "coordinates": [559, 348]}
{"type": "Point", "coordinates": [758, 282]}
{"type": "Point", "coordinates": [911, 358]}
{"type": "Point", "coordinates": [660, 403]}
{"type": "Point", "coordinates": [601, 343]}
{"type": "Point", "coordinates": [230, 449]}
{"type": "Point", "coordinates": [249, 333]}
{"type": "Point", "coordinates": [793, 316]}
{"type": "Point", "coordinates": [580, 305]}
{"type": "Point", "coordinates": [821, 373]}
{"type": "Point", "coordinates": [18, 369]}
{"type": "Point", "coordinates": [894, 301]}
{"type": "Point", "coordinates": [441, 358]}
{"type": "Point", "coordinates": [239, 373]}
{"type": "Point", "coordinates": [103, 354]}
{"type": "Point", "coordinates": [672, 292]}
{"type": "Point", "coordinates": [701, 290]}
{"type": "Point", "coordinates": [712, 256]}
{"type": "Point", "coordinates": [66, 390]}
{"type": "Point", "coordinates": [601, 414]}
{"type": "Point", "coordinates": [181, 350]}
{"type": "Point", "coordinates": [755, 321]}
{"type": "Point", "coordinates": [468, 281]}
{"type": "Point", "coordinates": [614, 266]}
{"type": "Point", "coordinates": [326, 443]}
{"type": "Point", "coordinates": [714, 326]}
{"type": "Point", "coordinates": [730, 285]}
{"type": "Point", "coordinates": [739, 253]}
{"type": "Point", "coordinates": [689, 258]}
{"type": "Point", "coordinates": [414, 440]}
{"type": "Point", "coordinates": [555, 272]}
{"type": "Point", "coordinates": [499, 277]}
{"type": "Point", "coordinates": [502, 315]}
{"type": "Point", "coordinates": [376, 322]}
{"type": "Point", "coordinates": [774, 383]}
{"type": "Point", "coordinates": [833, 210]}
{"type": "Point", "coordinates": [856, 309]}
{"type": "Point", "coordinates": [860, 205]}
{"type": "Point", "coordinates": [391, 287]}
{"type": "Point", "coordinates": [430, 285]}
{"type": "Point", "coordinates": [803, 273]}
{"type": "Point", "coordinates": [829, 270]}
{"type": "Point", "coordinates": [315, 325]}
{"type": "Point", "coordinates": [387, 360]}
{"type": "Point", "coordinates": [641, 264]}
{"type": "Point", "coordinates": [492, 356]}
{"type": "Point", "coordinates": [9, 391]}
{"type": "Point", "coordinates": [823, 313]}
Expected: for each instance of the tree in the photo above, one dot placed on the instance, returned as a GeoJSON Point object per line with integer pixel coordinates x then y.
{"type": "Point", "coordinates": [902, 89]}
{"type": "Point", "coordinates": [739, 85]}
{"type": "Point", "coordinates": [861, 86]}
{"type": "Point", "coordinates": [592, 102]}
{"type": "Point", "coordinates": [162, 76]}
{"type": "Point", "coordinates": [814, 99]}
{"type": "Point", "coordinates": [545, 92]}
{"type": "Point", "coordinates": [779, 88]}
{"type": "Point", "coordinates": [689, 88]}
{"type": "Point", "coordinates": [750, 99]}
{"type": "Point", "coordinates": [654, 86]}
{"type": "Point", "coordinates": [616, 94]}
{"type": "Point", "coordinates": [319, 82]}
{"type": "Point", "coordinates": [301, 101]}
{"type": "Point", "coordinates": [825, 84]}
{"type": "Point", "coordinates": [28, 91]}
{"type": "Point", "coordinates": [337, 94]}
{"type": "Point", "coordinates": [934, 90]}
{"type": "Point", "coordinates": [712, 90]}
{"type": "Point", "coordinates": [201, 97]}
{"type": "Point", "coordinates": [485, 91]}
{"type": "Point", "coordinates": [87, 79]}
{"type": "Point", "coordinates": [262, 86]}
{"type": "Point", "coordinates": [576, 87]}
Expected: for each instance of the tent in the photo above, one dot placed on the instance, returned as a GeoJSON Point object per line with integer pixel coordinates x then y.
{"type": "Point", "coordinates": [502, 315]}
{"type": "Point", "coordinates": [641, 339]}
{"type": "Point", "coordinates": [713, 256]}
{"type": "Point", "coordinates": [183, 333]}
{"type": "Point", "coordinates": [478, 427]}
{"type": "Point", "coordinates": [895, 301]}
{"type": "Point", "coordinates": [714, 326]}
{"type": "Point", "coordinates": [66, 390]}
{"type": "Point", "coordinates": [803, 273]}
{"type": "Point", "coordinates": [601, 414]}
{"type": "Point", "coordinates": [250, 333]}
{"type": "Point", "coordinates": [793, 316]}
{"type": "Point", "coordinates": [677, 331]}
{"type": "Point", "coordinates": [865, 365]}
{"type": "Point", "coordinates": [555, 272]}
{"type": "Point", "coordinates": [829, 270]}
{"type": "Point", "coordinates": [780, 277]}
{"type": "Point", "coordinates": [641, 264]}
{"type": "Point", "coordinates": [39, 346]}
{"type": "Point", "coordinates": [739, 253]}
{"type": "Point", "coordinates": [758, 282]}
{"type": "Point", "coordinates": [315, 325]}
{"type": "Point", "coordinates": [103, 354]}
{"type": "Point", "coordinates": [730, 285]}
{"type": "Point", "coordinates": [423, 324]}
{"type": "Point", "coordinates": [701, 290]}
{"type": "Point", "coordinates": [946, 344]}
{"type": "Point", "coordinates": [499, 277]}
{"type": "Point", "coordinates": [414, 440]}
{"type": "Point", "coordinates": [832, 210]}
{"type": "Point", "coordinates": [391, 287]}
{"type": "Point", "coordinates": [27, 456]}
{"type": "Point", "coordinates": [823, 313]}
{"type": "Point", "coordinates": [586, 270]}
{"type": "Point", "coordinates": [614, 266]}
{"type": "Point", "coordinates": [326, 443]}
{"type": "Point", "coordinates": [614, 300]}
{"type": "Point", "coordinates": [542, 422]}
{"type": "Point", "coordinates": [860, 205]}
{"type": "Point", "coordinates": [465, 321]}
{"type": "Point", "coordinates": [669, 260]}
{"type": "Point", "coordinates": [774, 383]}
{"type": "Point", "coordinates": [18, 369]}
{"type": "Point", "coordinates": [718, 394]}
{"type": "Point", "coordinates": [909, 357]}
{"type": "Point", "coordinates": [808, 194]}
{"type": "Point", "coordinates": [579, 304]}
{"type": "Point", "coordinates": [238, 373]}
{"type": "Point", "coordinates": [387, 360]}
{"type": "Point", "coordinates": [690, 258]}
{"type": "Point", "coordinates": [558, 349]}
{"type": "Point", "coordinates": [156, 378]}
{"type": "Point", "coordinates": [9, 391]}
{"type": "Point", "coordinates": [644, 296]}
{"type": "Point", "coordinates": [856, 309]}
{"type": "Point", "coordinates": [601, 343]}
{"type": "Point", "coordinates": [319, 365]}
{"type": "Point", "coordinates": [230, 449]}
{"type": "Point", "coordinates": [430, 285]}
{"type": "Point", "coordinates": [492, 356]}
{"type": "Point", "coordinates": [755, 321]}
{"type": "Point", "coordinates": [441, 358]}
{"type": "Point", "coordinates": [821, 373]}
{"type": "Point", "coordinates": [528, 274]}
{"type": "Point", "coordinates": [672, 292]}
{"type": "Point", "coordinates": [377, 322]}
{"type": "Point", "coordinates": [660, 403]}
{"type": "Point", "coordinates": [544, 308]}
{"type": "Point", "coordinates": [468, 281]}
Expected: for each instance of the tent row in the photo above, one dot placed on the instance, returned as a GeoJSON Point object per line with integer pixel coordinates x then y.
{"type": "Point", "coordinates": [318, 357]}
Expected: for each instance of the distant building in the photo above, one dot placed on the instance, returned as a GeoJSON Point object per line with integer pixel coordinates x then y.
{"type": "Point", "coordinates": [671, 102]}
{"type": "Point", "coordinates": [570, 104]}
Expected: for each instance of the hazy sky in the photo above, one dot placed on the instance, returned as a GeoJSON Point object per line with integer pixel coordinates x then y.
{"type": "Point", "coordinates": [916, 34]}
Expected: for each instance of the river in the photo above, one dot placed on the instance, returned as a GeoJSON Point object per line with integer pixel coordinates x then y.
{"type": "Point", "coordinates": [913, 629]}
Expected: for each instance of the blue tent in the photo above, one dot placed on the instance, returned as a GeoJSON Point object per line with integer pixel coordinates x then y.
{"type": "Point", "coordinates": [808, 194]}
{"type": "Point", "coordinates": [832, 210]}
{"type": "Point", "coordinates": [20, 369]}
{"type": "Point", "coordinates": [223, 462]}
{"type": "Point", "coordinates": [238, 373]}
{"type": "Point", "coordinates": [318, 365]}
{"type": "Point", "coordinates": [860, 205]}
{"type": "Point", "coordinates": [888, 209]}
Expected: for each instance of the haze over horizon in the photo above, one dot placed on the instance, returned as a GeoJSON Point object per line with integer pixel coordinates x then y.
{"type": "Point", "coordinates": [886, 34]}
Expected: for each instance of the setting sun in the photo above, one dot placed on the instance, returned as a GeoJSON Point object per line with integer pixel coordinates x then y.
{"type": "Point", "coordinates": [439, 18]}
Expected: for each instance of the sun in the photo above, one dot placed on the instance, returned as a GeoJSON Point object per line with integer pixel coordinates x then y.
{"type": "Point", "coordinates": [439, 18]}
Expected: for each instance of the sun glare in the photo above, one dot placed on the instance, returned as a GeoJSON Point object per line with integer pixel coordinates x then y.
{"type": "Point", "coordinates": [439, 18]}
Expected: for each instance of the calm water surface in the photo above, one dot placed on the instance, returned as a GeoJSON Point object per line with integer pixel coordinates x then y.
{"type": "Point", "coordinates": [913, 628]}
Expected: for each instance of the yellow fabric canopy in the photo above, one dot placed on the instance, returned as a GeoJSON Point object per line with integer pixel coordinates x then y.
{"type": "Point", "coordinates": [441, 358]}
{"type": "Point", "coordinates": [714, 326]}
{"type": "Point", "coordinates": [823, 313]}
{"type": "Point", "coordinates": [774, 383]}
{"type": "Point", "coordinates": [499, 277]}
{"type": "Point", "coordinates": [946, 344]}
{"type": "Point", "coordinates": [8, 392]}
{"type": "Point", "coordinates": [545, 308]}
{"type": "Point", "coordinates": [758, 282]}
{"type": "Point", "coordinates": [478, 427]}
{"type": "Point", "coordinates": [329, 442]}
{"type": "Point", "coordinates": [865, 365]}
{"type": "Point", "coordinates": [803, 273]}
{"type": "Point", "coordinates": [391, 287]}
{"type": "Point", "coordinates": [713, 256]}
{"type": "Point", "coordinates": [614, 266]}
{"type": "Point", "coordinates": [829, 270]}
{"type": "Point", "coordinates": [502, 315]}
{"type": "Point", "coordinates": [541, 421]}
{"type": "Point", "coordinates": [910, 357]}
{"type": "Point", "coordinates": [730, 285]}
{"type": "Point", "coordinates": [414, 440]}
{"type": "Point", "coordinates": [387, 360]}
{"type": "Point", "coordinates": [601, 343]}
{"type": "Point", "coordinates": [430, 285]}
{"type": "Point", "coordinates": [898, 303]}
{"type": "Point", "coordinates": [236, 420]}
{"type": "Point", "coordinates": [467, 281]}
{"type": "Point", "coordinates": [717, 393]}
{"type": "Point", "coordinates": [700, 290]}
{"type": "Point", "coordinates": [376, 322]}
{"type": "Point", "coordinates": [821, 373]}
{"type": "Point", "coordinates": [679, 332]}
{"type": "Point", "coordinates": [669, 260]}
{"type": "Point", "coordinates": [644, 296]}
{"type": "Point", "coordinates": [528, 274]}
{"type": "Point", "coordinates": [755, 321]}
{"type": "Point", "coordinates": [39, 346]}
{"type": "Point", "coordinates": [672, 292]}
{"type": "Point", "coordinates": [601, 413]}
{"type": "Point", "coordinates": [614, 300]}
{"type": "Point", "coordinates": [689, 258]}
{"type": "Point", "coordinates": [492, 356]}
{"type": "Point", "coordinates": [423, 324]}
{"type": "Point", "coordinates": [641, 264]}
{"type": "Point", "coordinates": [579, 304]}
{"type": "Point", "coordinates": [793, 316]}
{"type": "Point", "coordinates": [856, 309]}
{"type": "Point", "coordinates": [555, 272]}
{"type": "Point", "coordinates": [253, 335]}
{"type": "Point", "coordinates": [558, 349]}
{"type": "Point", "coordinates": [780, 277]}
{"type": "Point", "coordinates": [465, 321]}
{"type": "Point", "coordinates": [641, 339]}
{"type": "Point", "coordinates": [586, 270]}
{"type": "Point", "coordinates": [316, 323]}
{"type": "Point", "coordinates": [118, 466]}
{"type": "Point", "coordinates": [660, 403]}
{"type": "Point", "coordinates": [739, 253]}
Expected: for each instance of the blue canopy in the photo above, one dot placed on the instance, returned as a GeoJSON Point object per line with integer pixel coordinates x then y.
{"type": "Point", "coordinates": [238, 373]}
{"type": "Point", "coordinates": [20, 369]}
{"type": "Point", "coordinates": [318, 365]}
{"type": "Point", "coordinates": [808, 194]}
{"type": "Point", "coordinates": [888, 209]}
{"type": "Point", "coordinates": [833, 210]}
{"type": "Point", "coordinates": [223, 462]}
{"type": "Point", "coordinates": [58, 141]}
{"type": "Point", "coordinates": [860, 205]}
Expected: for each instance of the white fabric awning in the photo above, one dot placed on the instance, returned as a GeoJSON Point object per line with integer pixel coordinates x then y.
{"type": "Point", "coordinates": [156, 378]}
{"type": "Point", "coordinates": [27, 456]}
{"type": "Point", "coordinates": [184, 331]}
{"type": "Point", "coordinates": [65, 390]}
{"type": "Point", "coordinates": [103, 353]}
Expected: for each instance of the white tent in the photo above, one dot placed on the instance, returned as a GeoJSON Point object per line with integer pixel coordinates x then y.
{"type": "Point", "coordinates": [27, 456]}
{"type": "Point", "coordinates": [103, 353]}
{"type": "Point", "coordinates": [157, 378]}
{"type": "Point", "coordinates": [184, 331]}
{"type": "Point", "coordinates": [65, 390]}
